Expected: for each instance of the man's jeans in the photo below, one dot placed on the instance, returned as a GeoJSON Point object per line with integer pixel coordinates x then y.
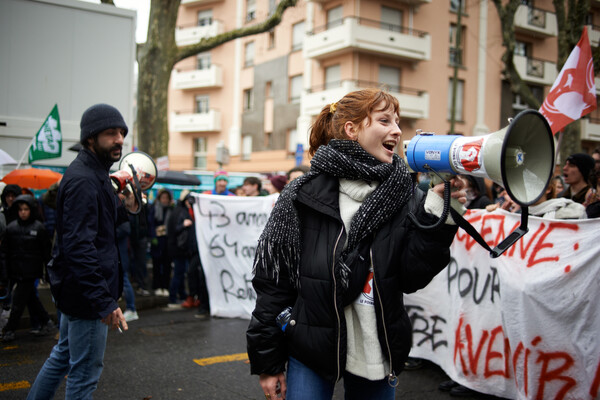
{"type": "Point", "coordinates": [304, 384]}
{"type": "Point", "coordinates": [79, 354]}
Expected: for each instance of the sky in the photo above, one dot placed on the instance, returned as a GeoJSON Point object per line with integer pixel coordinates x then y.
{"type": "Point", "coordinates": [142, 7]}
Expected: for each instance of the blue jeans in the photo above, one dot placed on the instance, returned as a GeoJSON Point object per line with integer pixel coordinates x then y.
{"type": "Point", "coordinates": [78, 353]}
{"type": "Point", "coordinates": [178, 281]}
{"type": "Point", "coordinates": [305, 384]}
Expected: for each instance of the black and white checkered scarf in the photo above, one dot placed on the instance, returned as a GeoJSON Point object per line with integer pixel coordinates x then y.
{"type": "Point", "coordinates": [279, 243]}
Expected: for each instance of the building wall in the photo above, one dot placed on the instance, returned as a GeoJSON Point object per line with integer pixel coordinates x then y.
{"type": "Point", "coordinates": [486, 99]}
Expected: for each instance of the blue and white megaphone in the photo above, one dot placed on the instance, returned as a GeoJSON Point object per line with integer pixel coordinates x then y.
{"type": "Point", "coordinates": [520, 158]}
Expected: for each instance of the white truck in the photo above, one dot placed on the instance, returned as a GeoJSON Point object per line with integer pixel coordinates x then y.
{"type": "Point", "coordinates": [65, 52]}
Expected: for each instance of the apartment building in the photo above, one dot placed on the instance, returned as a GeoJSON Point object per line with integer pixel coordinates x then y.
{"type": "Point", "coordinates": [256, 97]}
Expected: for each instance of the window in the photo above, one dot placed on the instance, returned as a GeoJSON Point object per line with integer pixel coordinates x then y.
{"type": "Point", "coordinates": [200, 153]}
{"type": "Point", "coordinates": [272, 39]}
{"type": "Point", "coordinates": [250, 10]}
{"type": "Point", "coordinates": [390, 78]}
{"type": "Point", "coordinates": [269, 90]}
{"type": "Point", "coordinates": [292, 140]}
{"type": "Point", "coordinates": [456, 55]}
{"type": "Point", "coordinates": [272, 7]}
{"type": "Point", "coordinates": [202, 104]}
{"type": "Point", "coordinates": [522, 48]}
{"type": "Point", "coordinates": [249, 54]}
{"type": "Point", "coordinates": [458, 112]}
{"type": "Point", "coordinates": [297, 36]}
{"type": "Point", "coordinates": [334, 17]}
{"type": "Point", "coordinates": [246, 147]}
{"type": "Point", "coordinates": [391, 19]}
{"type": "Point", "coordinates": [333, 76]}
{"type": "Point", "coordinates": [205, 17]}
{"type": "Point", "coordinates": [519, 105]}
{"type": "Point", "coordinates": [203, 61]}
{"type": "Point", "coordinates": [248, 99]}
{"type": "Point", "coordinates": [295, 88]}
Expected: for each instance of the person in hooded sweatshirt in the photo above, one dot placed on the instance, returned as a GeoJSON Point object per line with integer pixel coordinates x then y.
{"type": "Point", "coordinates": [9, 194]}
{"type": "Point", "coordinates": [23, 253]}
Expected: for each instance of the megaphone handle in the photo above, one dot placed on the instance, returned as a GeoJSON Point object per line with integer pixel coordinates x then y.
{"type": "Point", "coordinates": [445, 211]}
{"type": "Point", "coordinates": [137, 191]}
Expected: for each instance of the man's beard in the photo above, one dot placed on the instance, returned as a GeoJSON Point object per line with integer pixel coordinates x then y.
{"type": "Point", "coordinates": [106, 154]}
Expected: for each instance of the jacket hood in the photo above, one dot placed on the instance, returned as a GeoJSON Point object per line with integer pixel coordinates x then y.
{"type": "Point", "coordinates": [30, 201]}
{"type": "Point", "coordinates": [14, 189]}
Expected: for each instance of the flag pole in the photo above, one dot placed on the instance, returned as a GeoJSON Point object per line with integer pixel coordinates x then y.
{"type": "Point", "coordinates": [26, 152]}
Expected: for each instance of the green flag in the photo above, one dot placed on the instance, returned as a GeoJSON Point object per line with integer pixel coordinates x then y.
{"type": "Point", "coordinates": [47, 143]}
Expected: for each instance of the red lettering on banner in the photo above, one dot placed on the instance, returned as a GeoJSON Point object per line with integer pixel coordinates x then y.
{"type": "Point", "coordinates": [541, 244]}
{"type": "Point", "coordinates": [524, 250]}
{"type": "Point", "coordinates": [518, 351]}
{"type": "Point", "coordinates": [474, 358]}
{"type": "Point", "coordinates": [458, 346]}
{"type": "Point", "coordinates": [490, 355]}
{"type": "Point", "coordinates": [547, 375]}
{"type": "Point", "coordinates": [596, 383]}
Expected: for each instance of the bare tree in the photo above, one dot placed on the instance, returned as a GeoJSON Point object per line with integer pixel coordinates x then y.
{"type": "Point", "coordinates": [570, 17]}
{"type": "Point", "coordinates": [160, 53]}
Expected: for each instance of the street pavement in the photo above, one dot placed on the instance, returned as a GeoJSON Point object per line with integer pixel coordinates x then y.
{"type": "Point", "coordinates": [170, 354]}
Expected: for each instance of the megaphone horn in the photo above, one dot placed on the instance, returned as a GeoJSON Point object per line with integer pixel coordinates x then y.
{"type": "Point", "coordinates": [136, 170]}
{"type": "Point", "coordinates": [519, 157]}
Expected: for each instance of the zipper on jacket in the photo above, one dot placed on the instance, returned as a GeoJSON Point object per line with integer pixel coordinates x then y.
{"type": "Point", "coordinates": [337, 314]}
{"type": "Point", "coordinates": [392, 378]}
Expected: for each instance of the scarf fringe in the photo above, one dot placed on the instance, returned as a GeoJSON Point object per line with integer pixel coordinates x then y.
{"type": "Point", "coordinates": [271, 257]}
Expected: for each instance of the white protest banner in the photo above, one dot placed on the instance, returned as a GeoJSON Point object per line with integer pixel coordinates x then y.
{"type": "Point", "coordinates": [525, 325]}
{"type": "Point", "coordinates": [227, 230]}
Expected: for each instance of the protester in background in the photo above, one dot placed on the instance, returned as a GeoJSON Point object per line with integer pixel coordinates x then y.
{"type": "Point", "coordinates": [278, 182]}
{"type": "Point", "coordinates": [253, 187]}
{"type": "Point", "coordinates": [596, 157]}
{"type": "Point", "coordinates": [181, 242]}
{"type": "Point", "coordinates": [558, 184]}
{"type": "Point", "coordinates": [138, 241]}
{"type": "Point", "coordinates": [592, 200]}
{"type": "Point", "coordinates": [239, 191]}
{"type": "Point", "coordinates": [221, 181]}
{"type": "Point", "coordinates": [9, 194]}
{"type": "Point", "coordinates": [158, 220]}
{"type": "Point", "coordinates": [475, 188]}
{"type": "Point", "coordinates": [24, 252]}
{"type": "Point", "coordinates": [576, 173]}
{"type": "Point", "coordinates": [123, 233]}
{"type": "Point", "coordinates": [84, 272]}
{"type": "Point", "coordinates": [336, 255]}
{"type": "Point", "coordinates": [297, 171]}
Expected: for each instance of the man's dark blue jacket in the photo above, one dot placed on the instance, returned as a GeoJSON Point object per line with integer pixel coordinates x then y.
{"type": "Point", "coordinates": [85, 273]}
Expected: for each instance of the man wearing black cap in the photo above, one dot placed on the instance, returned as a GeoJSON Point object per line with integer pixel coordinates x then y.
{"type": "Point", "coordinates": [576, 173]}
{"type": "Point", "coordinates": [85, 274]}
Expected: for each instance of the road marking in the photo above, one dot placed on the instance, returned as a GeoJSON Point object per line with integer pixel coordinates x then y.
{"type": "Point", "coordinates": [14, 386]}
{"type": "Point", "coordinates": [222, 359]}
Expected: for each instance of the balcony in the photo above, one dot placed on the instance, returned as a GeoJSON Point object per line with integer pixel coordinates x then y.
{"type": "Point", "coordinates": [590, 129]}
{"type": "Point", "coordinates": [535, 71]}
{"type": "Point", "coordinates": [594, 35]}
{"type": "Point", "coordinates": [199, 2]}
{"type": "Point", "coordinates": [205, 122]}
{"type": "Point", "coordinates": [184, 36]}
{"type": "Point", "coordinates": [197, 78]}
{"type": "Point", "coordinates": [359, 34]}
{"type": "Point", "coordinates": [535, 22]}
{"type": "Point", "coordinates": [414, 104]}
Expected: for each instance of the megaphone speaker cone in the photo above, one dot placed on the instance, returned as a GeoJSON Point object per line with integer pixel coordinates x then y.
{"type": "Point", "coordinates": [143, 165]}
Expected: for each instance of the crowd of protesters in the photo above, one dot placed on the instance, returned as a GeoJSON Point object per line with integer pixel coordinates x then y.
{"type": "Point", "coordinates": [161, 235]}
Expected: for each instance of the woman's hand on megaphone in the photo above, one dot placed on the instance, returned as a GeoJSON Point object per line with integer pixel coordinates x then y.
{"type": "Point", "coordinates": [457, 189]}
{"type": "Point", "coordinates": [128, 198]}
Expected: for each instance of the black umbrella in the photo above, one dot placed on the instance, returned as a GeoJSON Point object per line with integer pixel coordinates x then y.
{"type": "Point", "coordinates": [76, 147]}
{"type": "Point", "coordinates": [177, 178]}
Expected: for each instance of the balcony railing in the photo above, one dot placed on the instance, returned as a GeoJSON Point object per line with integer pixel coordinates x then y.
{"type": "Point", "coordinates": [414, 103]}
{"type": "Point", "coordinates": [535, 71]}
{"type": "Point", "coordinates": [535, 21]}
{"type": "Point", "coordinates": [195, 122]}
{"type": "Point", "coordinates": [353, 33]}
{"type": "Point", "coordinates": [186, 35]}
{"type": "Point", "coordinates": [590, 129]}
{"type": "Point", "coordinates": [197, 78]}
{"type": "Point", "coordinates": [594, 35]}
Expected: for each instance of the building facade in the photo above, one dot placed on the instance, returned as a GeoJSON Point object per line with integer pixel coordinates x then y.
{"type": "Point", "coordinates": [250, 102]}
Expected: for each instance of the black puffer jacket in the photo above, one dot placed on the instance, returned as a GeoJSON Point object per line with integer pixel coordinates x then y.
{"type": "Point", "coordinates": [404, 260]}
{"type": "Point", "coordinates": [26, 247]}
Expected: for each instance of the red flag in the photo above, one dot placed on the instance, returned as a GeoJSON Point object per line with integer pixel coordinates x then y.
{"type": "Point", "coordinates": [573, 93]}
